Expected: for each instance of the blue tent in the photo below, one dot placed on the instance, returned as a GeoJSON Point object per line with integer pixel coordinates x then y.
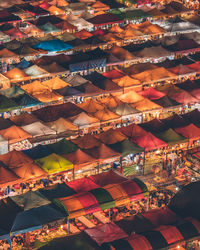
{"type": "Point", "coordinates": [26, 101]}
{"type": "Point", "coordinates": [53, 46]}
{"type": "Point", "coordinates": [23, 64]}
{"type": "Point", "coordinates": [37, 152]}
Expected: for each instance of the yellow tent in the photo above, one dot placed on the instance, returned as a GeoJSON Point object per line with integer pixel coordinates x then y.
{"type": "Point", "coordinates": [47, 96]}
{"type": "Point", "coordinates": [55, 83]}
{"type": "Point", "coordinates": [55, 11]}
{"type": "Point", "coordinates": [35, 87]}
{"type": "Point", "coordinates": [145, 105]}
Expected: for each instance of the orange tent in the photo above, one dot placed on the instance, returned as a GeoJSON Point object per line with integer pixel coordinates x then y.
{"type": "Point", "coordinates": [121, 53]}
{"type": "Point", "coordinates": [138, 68]}
{"type": "Point", "coordinates": [130, 97]}
{"type": "Point", "coordinates": [35, 87]}
{"type": "Point", "coordinates": [99, 6]}
{"type": "Point", "coordinates": [14, 134]}
{"type": "Point", "coordinates": [111, 136]}
{"type": "Point", "coordinates": [7, 177]}
{"type": "Point", "coordinates": [16, 74]}
{"type": "Point", "coordinates": [83, 34]}
{"type": "Point", "coordinates": [55, 10]}
{"type": "Point", "coordinates": [55, 83]}
{"type": "Point", "coordinates": [47, 96]}
{"type": "Point", "coordinates": [111, 101]}
{"type": "Point", "coordinates": [7, 53]}
{"type": "Point", "coordinates": [145, 105]}
{"type": "Point", "coordinates": [126, 81]}
{"type": "Point", "coordinates": [15, 159]}
{"type": "Point", "coordinates": [132, 130]}
{"type": "Point", "coordinates": [86, 142]}
{"type": "Point", "coordinates": [91, 106]}
{"type": "Point", "coordinates": [116, 29]}
{"type": "Point", "coordinates": [62, 125]}
{"type": "Point", "coordinates": [80, 159]}
{"type": "Point", "coordinates": [23, 119]}
{"type": "Point", "coordinates": [106, 115]}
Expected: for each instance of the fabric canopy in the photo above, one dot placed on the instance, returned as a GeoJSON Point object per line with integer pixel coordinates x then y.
{"type": "Point", "coordinates": [191, 132]}
{"type": "Point", "coordinates": [63, 147]}
{"type": "Point", "coordinates": [111, 136]}
{"type": "Point", "coordinates": [103, 198]}
{"type": "Point", "coordinates": [171, 137]}
{"type": "Point", "coordinates": [53, 45]}
{"type": "Point", "coordinates": [87, 141]}
{"type": "Point", "coordinates": [62, 125]}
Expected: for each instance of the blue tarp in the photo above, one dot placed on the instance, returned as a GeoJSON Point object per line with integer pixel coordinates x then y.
{"type": "Point", "coordinates": [37, 152]}
{"type": "Point", "coordinates": [53, 46]}
{"type": "Point", "coordinates": [23, 64]}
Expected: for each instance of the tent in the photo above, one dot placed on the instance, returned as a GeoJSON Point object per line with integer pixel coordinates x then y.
{"type": "Point", "coordinates": [54, 67]}
{"type": "Point", "coordinates": [35, 71]}
{"type": "Point", "coordinates": [63, 147]}
{"type": "Point", "coordinates": [175, 121]}
{"type": "Point", "coordinates": [26, 100]}
{"type": "Point", "coordinates": [82, 185]}
{"type": "Point", "coordinates": [111, 136]}
{"type": "Point", "coordinates": [102, 153]}
{"type": "Point", "coordinates": [7, 53]}
{"type": "Point", "coordinates": [154, 126]}
{"type": "Point", "coordinates": [124, 110]}
{"type": "Point", "coordinates": [87, 141]}
{"type": "Point", "coordinates": [121, 54]}
{"type": "Point", "coordinates": [171, 137]}
{"type": "Point", "coordinates": [103, 198]}
{"type": "Point", "coordinates": [110, 101]}
{"type": "Point", "coordinates": [106, 115]}
{"type": "Point", "coordinates": [3, 145]}
{"type": "Point", "coordinates": [47, 96]}
{"type": "Point", "coordinates": [83, 34]}
{"type": "Point", "coordinates": [54, 163]}
{"type": "Point", "coordinates": [114, 74]}
{"type": "Point", "coordinates": [80, 159]}
{"type": "Point", "coordinates": [192, 117]}
{"type": "Point", "coordinates": [7, 176]}
{"type": "Point", "coordinates": [48, 28]}
{"type": "Point", "coordinates": [166, 102]}
{"type": "Point", "coordinates": [5, 123]}
{"type": "Point", "coordinates": [69, 92]}
{"type": "Point", "coordinates": [37, 152]}
{"type": "Point", "coordinates": [132, 130]}
{"type": "Point", "coordinates": [75, 80]}
{"type": "Point", "coordinates": [91, 106]}
{"type": "Point", "coordinates": [38, 129]}
{"type": "Point", "coordinates": [62, 126]}
{"type": "Point", "coordinates": [149, 142]}
{"type": "Point", "coordinates": [16, 74]}
{"type": "Point", "coordinates": [14, 134]}
{"type": "Point", "coordinates": [126, 81]}
{"type": "Point", "coordinates": [55, 83]}
{"type": "Point", "coordinates": [89, 89]}
{"type": "Point", "coordinates": [105, 19]}
{"type": "Point", "coordinates": [126, 147]}
{"type": "Point", "coordinates": [25, 50]}
{"type": "Point", "coordinates": [11, 92]}
{"type": "Point", "coordinates": [151, 94]}
{"type": "Point", "coordinates": [182, 70]}
{"type": "Point", "coordinates": [23, 119]}
{"type": "Point", "coordinates": [153, 52]}
{"type": "Point", "coordinates": [35, 87]}
{"type": "Point", "coordinates": [191, 132]}
{"type": "Point", "coordinates": [83, 120]}
{"type": "Point", "coordinates": [130, 97]}
{"type": "Point", "coordinates": [145, 105]}
{"type": "Point", "coordinates": [53, 46]}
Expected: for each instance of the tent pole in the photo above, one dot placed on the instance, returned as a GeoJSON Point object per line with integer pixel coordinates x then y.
{"type": "Point", "coordinates": [143, 163]}
{"type": "Point", "coordinates": [68, 225]}
{"type": "Point", "coordinates": [120, 162]}
{"type": "Point", "coordinates": [73, 172]}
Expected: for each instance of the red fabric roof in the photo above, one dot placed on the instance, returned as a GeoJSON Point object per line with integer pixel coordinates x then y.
{"type": "Point", "coordinates": [132, 130]}
{"type": "Point", "coordinates": [82, 185]}
{"type": "Point", "coordinates": [191, 132]}
{"type": "Point", "coordinates": [152, 94]}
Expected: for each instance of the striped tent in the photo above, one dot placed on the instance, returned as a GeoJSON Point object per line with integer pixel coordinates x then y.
{"type": "Point", "coordinates": [103, 198]}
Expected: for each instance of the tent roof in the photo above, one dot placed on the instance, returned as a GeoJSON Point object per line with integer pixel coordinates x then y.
{"type": "Point", "coordinates": [110, 101]}
{"type": "Point", "coordinates": [166, 102]}
{"type": "Point", "coordinates": [35, 87]}
{"type": "Point", "coordinates": [86, 142]}
{"type": "Point", "coordinates": [102, 152]}
{"type": "Point", "coordinates": [63, 147]}
{"type": "Point", "coordinates": [91, 106]}
{"type": "Point", "coordinates": [83, 34]}
{"type": "Point", "coordinates": [37, 152]}
{"type": "Point", "coordinates": [47, 96]}
{"type": "Point", "coordinates": [35, 71]}
{"type": "Point", "coordinates": [12, 92]}
{"type": "Point", "coordinates": [111, 136]}
{"type": "Point", "coordinates": [113, 74]}
{"type": "Point", "coordinates": [53, 45]}
{"type": "Point", "coordinates": [126, 81]}
{"type": "Point", "coordinates": [89, 89]}
{"type": "Point", "coordinates": [149, 142]}
{"type": "Point", "coordinates": [152, 93]}
{"type": "Point", "coordinates": [62, 125]}
{"type": "Point", "coordinates": [171, 137]}
{"type": "Point", "coordinates": [23, 119]}
{"type": "Point", "coordinates": [38, 129]}
{"type": "Point", "coordinates": [130, 97]}
{"type": "Point", "coordinates": [121, 53]}
{"type": "Point", "coordinates": [145, 104]}
{"type": "Point", "coordinates": [7, 176]}
{"type": "Point", "coordinates": [193, 117]}
{"type": "Point", "coordinates": [7, 53]}
{"type": "Point", "coordinates": [106, 115]}
{"type": "Point", "coordinates": [175, 121]}
{"type": "Point", "coordinates": [126, 147]}
{"type": "Point", "coordinates": [154, 126]}
{"type": "Point", "coordinates": [82, 120]}
{"type": "Point", "coordinates": [54, 163]}
{"type": "Point", "coordinates": [15, 74]}
{"type": "Point", "coordinates": [190, 131]}
{"type": "Point", "coordinates": [124, 109]}
{"type": "Point", "coordinates": [75, 80]}
{"type": "Point", "coordinates": [55, 83]}
{"type": "Point", "coordinates": [132, 130]}
{"type": "Point", "coordinates": [5, 123]}
{"type": "Point", "coordinates": [14, 134]}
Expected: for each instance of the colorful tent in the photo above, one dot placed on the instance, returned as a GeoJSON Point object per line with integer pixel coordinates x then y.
{"type": "Point", "coordinates": [191, 132]}
{"type": "Point", "coordinates": [16, 74]}
{"type": "Point", "coordinates": [23, 119]}
{"type": "Point", "coordinates": [126, 147]}
{"type": "Point", "coordinates": [111, 136]}
{"type": "Point", "coordinates": [110, 101]}
{"type": "Point", "coordinates": [151, 94]}
{"type": "Point", "coordinates": [7, 177]}
{"type": "Point", "coordinates": [175, 121]}
{"type": "Point", "coordinates": [87, 141]}
{"type": "Point", "coordinates": [103, 198]}
{"type": "Point", "coordinates": [154, 126]}
{"type": "Point", "coordinates": [192, 117]}
{"type": "Point", "coordinates": [54, 163]}
{"type": "Point", "coordinates": [55, 83]}
{"type": "Point", "coordinates": [53, 46]}
{"type": "Point", "coordinates": [7, 104]}
{"type": "Point", "coordinates": [171, 137]}
{"type": "Point", "coordinates": [130, 97]}
{"type": "Point", "coordinates": [37, 152]}
{"type": "Point", "coordinates": [14, 134]}
{"type": "Point", "coordinates": [149, 142]}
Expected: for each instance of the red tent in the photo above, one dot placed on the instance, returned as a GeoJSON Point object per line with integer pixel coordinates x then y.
{"type": "Point", "coordinates": [82, 185]}
{"type": "Point", "coordinates": [7, 177]}
{"type": "Point", "coordinates": [191, 132]}
{"type": "Point", "coordinates": [86, 142]}
{"type": "Point", "coordinates": [132, 130]}
{"type": "Point", "coordinates": [149, 142]}
{"type": "Point", "coordinates": [152, 94]}
{"type": "Point", "coordinates": [114, 74]}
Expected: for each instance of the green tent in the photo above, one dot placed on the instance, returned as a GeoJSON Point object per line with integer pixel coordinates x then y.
{"type": "Point", "coordinates": [12, 92]}
{"type": "Point", "coordinates": [63, 147]}
{"type": "Point", "coordinates": [135, 14]}
{"type": "Point", "coordinates": [126, 147]}
{"type": "Point", "coordinates": [54, 163]}
{"type": "Point", "coordinates": [171, 137]}
{"type": "Point", "coordinates": [7, 104]}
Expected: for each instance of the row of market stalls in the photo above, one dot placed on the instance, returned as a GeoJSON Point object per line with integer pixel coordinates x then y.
{"type": "Point", "coordinates": [34, 209]}
{"type": "Point", "coordinates": [132, 148]}
{"type": "Point", "coordinates": [156, 229]}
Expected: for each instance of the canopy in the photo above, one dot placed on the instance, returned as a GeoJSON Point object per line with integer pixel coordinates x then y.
{"type": "Point", "coordinates": [130, 97]}
{"type": "Point", "coordinates": [91, 106]}
{"type": "Point", "coordinates": [14, 134]}
{"type": "Point", "coordinates": [62, 125]}
{"type": "Point", "coordinates": [3, 145]}
{"type": "Point", "coordinates": [53, 45]}
{"type": "Point", "coordinates": [166, 102]}
{"type": "Point", "coordinates": [15, 74]}
{"type": "Point", "coordinates": [55, 83]}
{"type": "Point", "coordinates": [35, 87]}
{"type": "Point", "coordinates": [7, 177]}
{"type": "Point", "coordinates": [171, 137]}
{"type": "Point", "coordinates": [87, 141]}
{"type": "Point", "coordinates": [37, 129]}
{"type": "Point", "coordinates": [151, 94]}
{"type": "Point", "coordinates": [83, 120]}
{"type": "Point", "coordinates": [132, 130]}
{"type": "Point", "coordinates": [126, 147]}
{"type": "Point", "coordinates": [106, 115]}
{"type": "Point", "coordinates": [111, 136]}
{"type": "Point", "coordinates": [54, 163]}
{"type": "Point", "coordinates": [23, 119]}
{"type": "Point", "coordinates": [80, 159]}
{"type": "Point", "coordinates": [145, 105]}
{"type": "Point", "coordinates": [175, 121]}
{"type": "Point", "coordinates": [110, 101]}
{"type": "Point", "coordinates": [37, 152]}
{"type": "Point", "coordinates": [63, 147]}
{"type": "Point", "coordinates": [149, 142]}
{"type": "Point", "coordinates": [35, 71]}
{"type": "Point", "coordinates": [191, 132]}
{"type": "Point", "coordinates": [103, 198]}
{"type": "Point", "coordinates": [192, 117]}
{"type": "Point", "coordinates": [154, 126]}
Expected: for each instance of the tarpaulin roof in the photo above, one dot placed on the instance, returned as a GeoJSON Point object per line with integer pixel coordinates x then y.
{"type": "Point", "coordinates": [75, 80]}
{"type": "Point", "coordinates": [35, 71]}
{"type": "Point", "coordinates": [111, 136]}
{"type": "Point", "coordinates": [175, 121]}
{"type": "Point", "coordinates": [14, 134]}
{"type": "Point", "coordinates": [7, 176]}
{"type": "Point", "coordinates": [30, 200]}
{"type": "Point", "coordinates": [181, 70]}
{"type": "Point", "coordinates": [124, 109]}
{"type": "Point", "coordinates": [132, 130]}
{"type": "Point", "coordinates": [83, 120]}
{"type": "Point", "coordinates": [114, 74]}
{"type": "Point", "coordinates": [166, 102]}
{"type": "Point", "coordinates": [79, 159]}
{"type": "Point", "coordinates": [126, 147]}
{"type": "Point", "coordinates": [171, 137]}
{"type": "Point", "coordinates": [83, 34]}
{"type": "Point", "coordinates": [154, 126]}
{"type": "Point", "coordinates": [91, 106]}
{"type": "Point", "coordinates": [151, 93]}
{"type": "Point", "coordinates": [190, 131]}
{"type": "Point", "coordinates": [26, 100]}
{"type": "Point", "coordinates": [47, 96]}
{"type": "Point", "coordinates": [139, 68]}
{"type": "Point", "coordinates": [53, 45]}
{"type": "Point", "coordinates": [37, 152]}
{"type": "Point", "coordinates": [106, 115]}
{"type": "Point", "coordinates": [103, 198]}
{"type": "Point", "coordinates": [110, 101]}
{"type": "Point", "coordinates": [87, 141]}
{"type": "Point", "coordinates": [38, 129]}
{"type": "Point", "coordinates": [7, 53]}
{"type": "Point", "coordinates": [23, 119]}
{"type": "Point", "coordinates": [26, 50]}
{"type": "Point", "coordinates": [15, 74]}
{"type": "Point", "coordinates": [55, 83]}
{"type": "Point", "coordinates": [130, 97]}
{"type": "Point", "coordinates": [62, 125]}
{"type": "Point", "coordinates": [63, 147]}
{"type": "Point", "coordinates": [48, 28]}
{"type": "Point", "coordinates": [54, 67]}
{"type": "Point", "coordinates": [181, 45]}
{"type": "Point", "coordinates": [149, 142]}
{"type": "Point", "coordinates": [69, 91]}
{"type": "Point", "coordinates": [54, 163]}
{"type": "Point", "coordinates": [192, 117]}
{"type": "Point", "coordinates": [82, 185]}
{"type": "Point", "coordinates": [89, 89]}
{"type": "Point", "coordinates": [145, 105]}
{"type": "Point", "coordinates": [12, 92]}
{"type": "Point", "coordinates": [126, 81]}
{"type": "Point", "coordinates": [155, 52]}
{"type": "Point", "coordinates": [35, 87]}
{"type": "Point", "coordinates": [121, 53]}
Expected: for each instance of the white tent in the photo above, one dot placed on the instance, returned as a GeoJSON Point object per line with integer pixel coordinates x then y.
{"type": "Point", "coordinates": [81, 24]}
{"type": "Point", "coordinates": [181, 27]}
{"type": "Point", "coordinates": [38, 129]}
{"type": "Point", "coordinates": [153, 52]}
{"type": "Point", "coordinates": [35, 71]}
{"type": "Point", "coordinates": [3, 145]}
{"type": "Point", "coordinates": [83, 120]}
{"type": "Point", "coordinates": [75, 80]}
{"type": "Point", "coordinates": [62, 125]}
{"type": "Point", "coordinates": [4, 82]}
